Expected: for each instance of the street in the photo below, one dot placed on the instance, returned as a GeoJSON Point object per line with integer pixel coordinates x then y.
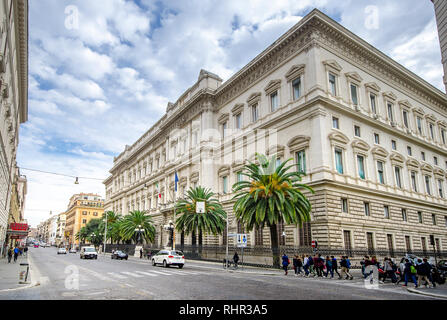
{"type": "Point", "coordinates": [134, 279]}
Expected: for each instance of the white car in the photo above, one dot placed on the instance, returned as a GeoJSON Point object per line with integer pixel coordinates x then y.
{"type": "Point", "coordinates": [169, 258]}
{"type": "Point", "coordinates": [72, 250]}
{"type": "Point", "coordinates": [62, 251]}
{"type": "Point", "coordinates": [89, 253]}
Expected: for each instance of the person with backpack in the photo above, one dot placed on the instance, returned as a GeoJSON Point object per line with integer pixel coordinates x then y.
{"type": "Point", "coordinates": [10, 252]}
{"type": "Point", "coordinates": [297, 265]}
{"type": "Point", "coordinates": [423, 271]}
{"type": "Point", "coordinates": [329, 267]}
{"type": "Point", "coordinates": [389, 270]}
{"type": "Point", "coordinates": [285, 263]}
{"type": "Point", "coordinates": [235, 259]}
{"type": "Point", "coordinates": [345, 265]}
{"type": "Point", "coordinates": [410, 272]}
{"type": "Point", "coordinates": [335, 266]}
{"type": "Point", "coordinates": [16, 253]}
{"type": "Point", "coordinates": [306, 265]}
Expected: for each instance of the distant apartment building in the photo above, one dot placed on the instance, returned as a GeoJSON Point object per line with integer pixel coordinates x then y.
{"type": "Point", "coordinates": [60, 233]}
{"type": "Point", "coordinates": [370, 136]}
{"type": "Point", "coordinates": [82, 208]}
{"type": "Point", "coordinates": [13, 98]}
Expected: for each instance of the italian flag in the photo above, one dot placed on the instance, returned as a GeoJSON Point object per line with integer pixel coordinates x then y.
{"type": "Point", "coordinates": [158, 190]}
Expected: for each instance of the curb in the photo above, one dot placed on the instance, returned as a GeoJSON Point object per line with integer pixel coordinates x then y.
{"type": "Point", "coordinates": [427, 293]}
{"type": "Point", "coordinates": [32, 275]}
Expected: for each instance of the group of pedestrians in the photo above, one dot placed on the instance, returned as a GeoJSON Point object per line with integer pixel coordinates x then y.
{"type": "Point", "coordinates": [317, 266]}
{"type": "Point", "coordinates": [14, 252]}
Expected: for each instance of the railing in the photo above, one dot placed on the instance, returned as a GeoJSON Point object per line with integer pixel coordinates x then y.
{"type": "Point", "coordinates": [261, 256]}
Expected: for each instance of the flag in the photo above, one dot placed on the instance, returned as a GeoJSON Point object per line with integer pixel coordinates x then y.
{"type": "Point", "coordinates": [158, 191]}
{"type": "Point", "coordinates": [176, 180]}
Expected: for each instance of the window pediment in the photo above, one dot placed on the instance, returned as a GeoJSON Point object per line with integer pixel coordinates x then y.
{"type": "Point", "coordinates": [332, 65]}
{"type": "Point", "coordinates": [372, 86]}
{"type": "Point", "coordinates": [426, 168]}
{"type": "Point", "coordinates": [298, 142]}
{"type": "Point", "coordinates": [405, 104]}
{"type": "Point", "coordinates": [194, 176]}
{"type": "Point", "coordinates": [237, 165]}
{"type": "Point", "coordinates": [360, 145]}
{"type": "Point", "coordinates": [276, 149]}
{"type": "Point", "coordinates": [397, 158]}
{"type": "Point", "coordinates": [253, 98]}
{"type": "Point", "coordinates": [354, 77]}
{"type": "Point", "coordinates": [442, 123]}
{"type": "Point", "coordinates": [237, 108]}
{"type": "Point", "coordinates": [389, 95]}
{"type": "Point", "coordinates": [294, 72]}
{"type": "Point", "coordinates": [223, 118]}
{"type": "Point", "coordinates": [224, 171]}
{"type": "Point", "coordinates": [338, 137]}
{"type": "Point", "coordinates": [272, 86]}
{"type": "Point", "coordinates": [430, 117]}
{"type": "Point", "coordinates": [439, 173]}
{"type": "Point", "coordinates": [413, 163]}
{"type": "Point", "coordinates": [379, 152]}
{"type": "Point", "coordinates": [418, 111]}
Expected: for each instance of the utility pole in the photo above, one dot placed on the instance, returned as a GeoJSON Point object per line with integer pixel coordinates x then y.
{"type": "Point", "coordinates": [105, 235]}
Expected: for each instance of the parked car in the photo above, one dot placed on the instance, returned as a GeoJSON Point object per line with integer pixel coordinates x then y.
{"type": "Point", "coordinates": [118, 254]}
{"type": "Point", "coordinates": [442, 265]}
{"type": "Point", "coordinates": [168, 258]}
{"type": "Point", "coordinates": [62, 251]}
{"type": "Point", "coordinates": [72, 250]}
{"type": "Point", "coordinates": [88, 253]}
{"type": "Point", "coordinates": [36, 245]}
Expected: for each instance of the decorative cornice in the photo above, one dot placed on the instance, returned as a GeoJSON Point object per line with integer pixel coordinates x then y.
{"type": "Point", "coordinates": [272, 86]}
{"type": "Point", "coordinates": [298, 142]}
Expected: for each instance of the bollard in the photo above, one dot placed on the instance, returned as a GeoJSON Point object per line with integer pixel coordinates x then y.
{"type": "Point", "coordinates": [23, 274]}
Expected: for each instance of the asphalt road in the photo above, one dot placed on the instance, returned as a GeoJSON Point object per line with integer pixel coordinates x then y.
{"type": "Point", "coordinates": [67, 277]}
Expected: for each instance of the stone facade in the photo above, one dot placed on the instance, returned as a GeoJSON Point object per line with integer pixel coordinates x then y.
{"type": "Point", "coordinates": [370, 135]}
{"type": "Point", "coordinates": [441, 19]}
{"type": "Point", "coordinates": [13, 96]}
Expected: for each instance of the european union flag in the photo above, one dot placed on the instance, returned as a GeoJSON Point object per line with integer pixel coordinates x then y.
{"type": "Point", "coordinates": [176, 180]}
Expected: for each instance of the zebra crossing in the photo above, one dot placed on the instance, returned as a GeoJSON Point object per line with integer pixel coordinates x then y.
{"type": "Point", "coordinates": [150, 273]}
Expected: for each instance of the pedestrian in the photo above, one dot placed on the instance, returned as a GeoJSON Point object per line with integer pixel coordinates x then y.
{"type": "Point", "coordinates": [235, 259]}
{"type": "Point", "coordinates": [389, 270]}
{"type": "Point", "coordinates": [10, 252]}
{"type": "Point", "coordinates": [401, 271]}
{"type": "Point", "coordinates": [149, 254]}
{"type": "Point", "coordinates": [285, 263]}
{"type": "Point", "coordinates": [312, 265]}
{"type": "Point", "coordinates": [141, 253]}
{"type": "Point", "coordinates": [335, 266]}
{"type": "Point", "coordinates": [16, 253]}
{"type": "Point", "coordinates": [295, 265]}
{"type": "Point", "coordinates": [345, 266]}
{"type": "Point", "coordinates": [299, 265]}
{"type": "Point", "coordinates": [410, 272]}
{"type": "Point", "coordinates": [25, 251]}
{"type": "Point", "coordinates": [319, 265]}
{"type": "Point", "coordinates": [329, 267]}
{"type": "Point", "coordinates": [423, 271]}
{"type": "Point", "coordinates": [306, 265]}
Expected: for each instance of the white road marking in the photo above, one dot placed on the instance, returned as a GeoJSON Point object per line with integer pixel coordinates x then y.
{"type": "Point", "coordinates": [147, 273]}
{"type": "Point", "coordinates": [132, 274]}
{"type": "Point", "coordinates": [162, 273]}
{"type": "Point", "coordinates": [116, 275]}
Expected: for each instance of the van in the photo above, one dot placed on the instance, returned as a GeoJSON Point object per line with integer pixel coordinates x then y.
{"type": "Point", "coordinates": [89, 253]}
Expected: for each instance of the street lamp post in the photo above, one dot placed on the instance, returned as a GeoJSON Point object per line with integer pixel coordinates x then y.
{"type": "Point", "coordinates": [139, 230]}
{"type": "Point", "coordinates": [105, 235]}
{"type": "Point", "coordinates": [170, 227]}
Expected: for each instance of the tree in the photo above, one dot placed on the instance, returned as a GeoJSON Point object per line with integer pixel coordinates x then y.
{"type": "Point", "coordinates": [81, 235]}
{"type": "Point", "coordinates": [211, 221]}
{"type": "Point", "coordinates": [272, 195]}
{"type": "Point", "coordinates": [132, 221]}
{"type": "Point", "coordinates": [113, 225]}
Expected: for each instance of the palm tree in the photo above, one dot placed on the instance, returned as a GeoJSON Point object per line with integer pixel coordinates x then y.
{"type": "Point", "coordinates": [81, 235]}
{"type": "Point", "coordinates": [271, 196]}
{"type": "Point", "coordinates": [211, 221]}
{"type": "Point", "coordinates": [113, 220]}
{"type": "Point", "coordinates": [132, 221]}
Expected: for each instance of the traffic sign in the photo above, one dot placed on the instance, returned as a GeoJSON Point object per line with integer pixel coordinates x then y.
{"type": "Point", "coordinates": [314, 243]}
{"type": "Point", "coordinates": [241, 240]}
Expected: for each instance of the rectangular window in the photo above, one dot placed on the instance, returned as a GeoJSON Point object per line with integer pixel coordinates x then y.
{"type": "Point", "coordinates": [370, 242]}
{"type": "Point", "coordinates": [409, 151]}
{"type": "Point", "coordinates": [254, 112]}
{"type": "Point", "coordinates": [224, 130]}
{"type": "Point", "coordinates": [389, 238]}
{"type": "Point", "coordinates": [390, 112]}
{"type": "Point", "coordinates": [301, 161]}
{"type": "Point", "coordinates": [386, 211]}
{"type": "Point", "coordinates": [225, 184]}
{"type": "Point", "coordinates": [354, 97]}
{"type": "Point", "coordinates": [259, 237]}
{"type": "Point", "coordinates": [366, 206]}
{"type": "Point", "coordinates": [335, 123]}
{"type": "Point", "coordinates": [408, 244]}
{"type": "Point", "coordinates": [239, 121]}
{"type": "Point", "coordinates": [376, 138]}
{"type": "Point", "coordinates": [274, 101]}
{"type": "Point", "coordinates": [433, 219]}
{"type": "Point", "coordinates": [420, 217]}
{"type": "Point", "coordinates": [361, 166]}
{"type": "Point", "coordinates": [440, 188]}
{"type": "Point", "coordinates": [347, 239]}
{"type": "Point", "coordinates": [398, 178]}
{"type": "Point", "coordinates": [339, 160]}
{"type": "Point", "coordinates": [423, 155]}
{"type": "Point", "coordinates": [419, 123]}
{"type": "Point", "coordinates": [445, 223]}
{"type": "Point", "coordinates": [357, 131]}
{"type": "Point", "coordinates": [240, 177]}
{"type": "Point", "coordinates": [424, 245]}
{"type": "Point", "coordinates": [84, 221]}
{"type": "Point", "coordinates": [427, 184]}
{"type": "Point", "coordinates": [372, 99]}
{"type": "Point", "coordinates": [332, 84]}
{"type": "Point", "coordinates": [380, 172]}
{"type": "Point", "coordinates": [404, 214]}
{"type": "Point", "coordinates": [393, 145]}
{"type": "Point", "coordinates": [405, 116]}
{"type": "Point", "coordinates": [296, 87]}
{"type": "Point", "coordinates": [432, 133]}
{"type": "Point", "coordinates": [414, 181]}
{"type": "Point", "coordinates": [435, 160]}
{"type": "Point", "coordinates": [344, 205]}
{"type": "Point", "coordinates": [443, 136]}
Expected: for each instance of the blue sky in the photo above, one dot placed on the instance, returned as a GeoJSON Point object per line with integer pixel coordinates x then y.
{"type": "Point", "coordinates": [98, 85]}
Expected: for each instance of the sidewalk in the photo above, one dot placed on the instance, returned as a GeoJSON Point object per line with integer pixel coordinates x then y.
{"type": "Point", "coordinates": [439, 292]}
{"type": "Point", "coordinates": [9, 273]}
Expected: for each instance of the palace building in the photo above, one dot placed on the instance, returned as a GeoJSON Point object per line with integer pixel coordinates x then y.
{"type": "Point", "coordinates": [370, 135]}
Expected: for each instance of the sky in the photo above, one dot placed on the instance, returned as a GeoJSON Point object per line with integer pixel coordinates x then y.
{"type": "Point", "coordinates": [102, 72]}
